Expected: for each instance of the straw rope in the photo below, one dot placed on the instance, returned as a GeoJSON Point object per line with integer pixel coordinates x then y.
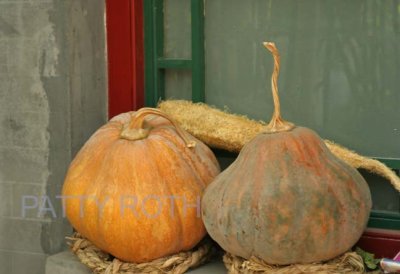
{"type": "Point", "coordinates": [231, 132]}
{"type": "Point", "coordinates": [102, 263]}
{"type": "Point", "coordinates": [347, 263]}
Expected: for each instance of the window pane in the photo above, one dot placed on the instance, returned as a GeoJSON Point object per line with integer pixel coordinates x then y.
{"type": "Point", "coordinates": [178, 84]}
{"type": "Point", "coordinates": [384, 196]}
{"type": "Point", "coordinates": [339, 66]}
{"type": "Point", "coordinates": [177, 29]}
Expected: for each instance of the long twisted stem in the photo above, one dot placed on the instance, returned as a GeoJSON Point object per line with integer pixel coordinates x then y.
{"type": "Point", "coordinates": [277, 123]}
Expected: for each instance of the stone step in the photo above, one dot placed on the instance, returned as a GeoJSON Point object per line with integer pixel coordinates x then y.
{"type": "Point", "coordinates": [67, 263]}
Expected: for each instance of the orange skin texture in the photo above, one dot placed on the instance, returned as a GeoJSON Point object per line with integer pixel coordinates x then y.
{"type": "Point", "coordinates": [117, 173]}
{"type": "Point", "coordinates": [287, 199]}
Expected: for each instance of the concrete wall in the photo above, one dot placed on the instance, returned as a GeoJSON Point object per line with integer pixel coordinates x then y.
{"type": "Point", "coordinates": [52, 97]}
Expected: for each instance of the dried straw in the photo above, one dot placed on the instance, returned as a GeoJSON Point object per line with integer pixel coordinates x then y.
{"type": "Point", "coordinates": [102, 263]}
{"type": "Point", "coordinates": [347, 263]}
{"type": "Point", "coordinates": [231, 132]}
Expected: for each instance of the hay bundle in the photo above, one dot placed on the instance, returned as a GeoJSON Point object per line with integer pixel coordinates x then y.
{"type": "Point", "coordinates": [231, 132]}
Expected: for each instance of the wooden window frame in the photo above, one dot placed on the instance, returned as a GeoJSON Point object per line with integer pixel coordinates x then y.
{"type": "Point", "coordinates": [156, 64]}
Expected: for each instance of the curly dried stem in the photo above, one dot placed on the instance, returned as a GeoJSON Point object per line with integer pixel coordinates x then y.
{"type": "Point", "coordinates": [276, 124]}
{"type": "Point", "coordinates": [135, 129]}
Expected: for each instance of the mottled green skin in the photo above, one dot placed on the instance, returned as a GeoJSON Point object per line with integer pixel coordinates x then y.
{"type": "Point", "coordinates": [287, 199]}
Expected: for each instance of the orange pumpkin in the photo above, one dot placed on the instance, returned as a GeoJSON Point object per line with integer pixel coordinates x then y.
{"type": "Point", "coordinates": [134, 188]}
{"type": "Point", "coordinates": [286, 199]}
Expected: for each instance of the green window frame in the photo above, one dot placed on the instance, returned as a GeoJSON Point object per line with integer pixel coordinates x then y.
{"type": "Point", "coordinates": [156, 65]}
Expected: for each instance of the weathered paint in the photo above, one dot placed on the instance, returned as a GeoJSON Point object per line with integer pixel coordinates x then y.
{"type": "Point", "coordinates": [52, 98]}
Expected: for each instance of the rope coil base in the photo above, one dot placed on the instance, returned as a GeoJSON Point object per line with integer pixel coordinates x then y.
{"type": "Point", "coordinates": [102, 263]}
{"type": "Point", "coordinates": [347, 263]}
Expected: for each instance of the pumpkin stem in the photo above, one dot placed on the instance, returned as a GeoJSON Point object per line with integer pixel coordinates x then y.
{"type": "Point", "coordinates": [276, 124]}
{"type": "Point", "coordinates": [136, 131]}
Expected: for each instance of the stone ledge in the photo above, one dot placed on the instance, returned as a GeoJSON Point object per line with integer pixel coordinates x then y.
{"type": "Point", "coordinates": [66, 263]}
